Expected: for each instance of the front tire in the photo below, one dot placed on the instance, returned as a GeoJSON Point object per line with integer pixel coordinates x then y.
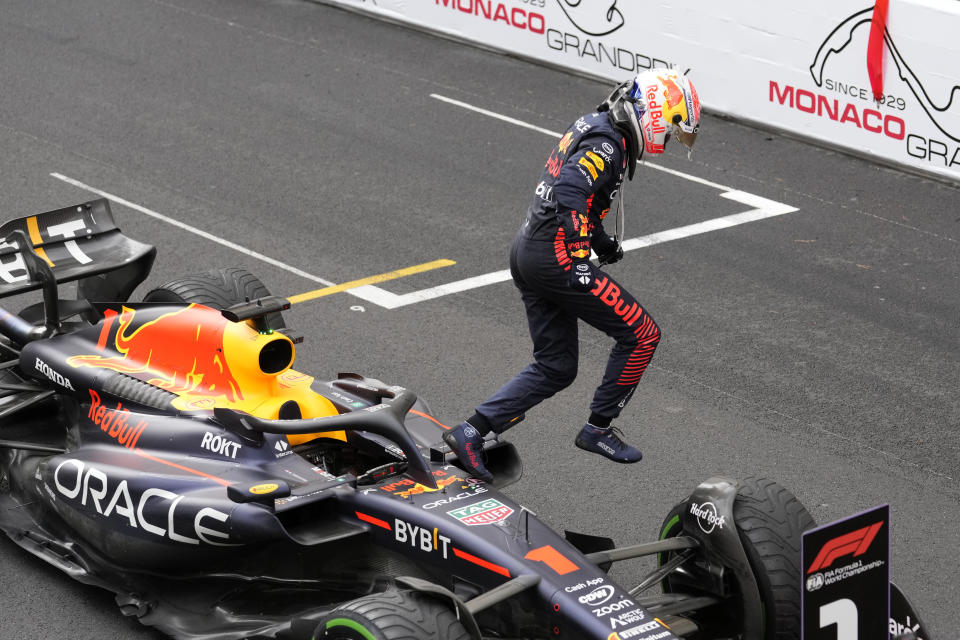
{"type": "Point", "coordinates": [770, 521]}
{"type": "Point", "coordinates": [392, 615]}
{"type": "Point", "coordinates": [217, 289]}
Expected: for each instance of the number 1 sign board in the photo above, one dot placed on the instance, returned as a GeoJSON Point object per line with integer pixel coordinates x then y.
{"type": "Point", "coordinates": [846, 578]}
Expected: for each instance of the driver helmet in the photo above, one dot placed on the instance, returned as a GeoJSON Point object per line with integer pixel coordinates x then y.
{"type": "Point", "coordinates": [664, 103]}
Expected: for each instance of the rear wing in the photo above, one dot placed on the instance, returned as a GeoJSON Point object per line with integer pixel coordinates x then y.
{"type": "Point", "coordinates": [81, 242]}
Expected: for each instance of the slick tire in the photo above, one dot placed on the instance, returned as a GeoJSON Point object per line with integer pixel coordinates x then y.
{"type": "Point", "coordinates": [770, 521]}
{"type": "Point", "coordinates": [218, 289]}
{"type": "Point", "coordinates": [392, 615]}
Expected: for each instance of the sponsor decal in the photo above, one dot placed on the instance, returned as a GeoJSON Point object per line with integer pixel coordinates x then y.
{"type": "Point", "coordinates": [634, 632]}
{"type": "Point", "coordinates": [490, 511]}
{"type": "Point", "coordinates": [282, 447]}
{"type": "Point", "coordinates": [473, 493]}
{"type": "Point", "coordinates": [114, 422]}
{"type": "Point", "coordinates": [609, 294]}
{"type": "Point", "coordinates": [54, 376]}
{"type": "Point", "coordinates": [418, 488]}
{"type": "Point", "coordinates": [426, 540]}
{"type": "Point", "coordinates": [74, 479]}
{"type": "Point", "coordinates": [219, 444]}
{"type": "Point", "coordinates": [194, 363]}
{"type": "Point", "coordinates": [261, 489]}
{"type": "Point", "coordinates": [583, 585]}
{"type": "Point", "coordinates": [620, 605]}
{"type": "Point", "coordinates": [591, 166]}
{"type": "Point", "coordinates": [707, 517]}
{"type": "Point", "coordinates": [903, 617]}
{"type": "Point", "coordinates": [406, 487]}
{"type": "Point", "coordinates": [600, 595]}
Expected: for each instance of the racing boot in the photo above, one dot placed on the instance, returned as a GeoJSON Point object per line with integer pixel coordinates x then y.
{"type": "Point", "coordinates": [467, 443]}
{"type": "Point", "coordinates": [607, 442]}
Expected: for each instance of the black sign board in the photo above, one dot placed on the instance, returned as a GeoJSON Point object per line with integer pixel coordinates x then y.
{"type": "Point", "coordinates": [846, 578]}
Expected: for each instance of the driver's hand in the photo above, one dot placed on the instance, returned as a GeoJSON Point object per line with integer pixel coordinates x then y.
{"type": "Point", "coordinates": [608, 250]}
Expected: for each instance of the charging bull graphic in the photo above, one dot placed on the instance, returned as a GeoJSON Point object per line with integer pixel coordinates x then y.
{"type": "Point", "coordinates": [181, 351]}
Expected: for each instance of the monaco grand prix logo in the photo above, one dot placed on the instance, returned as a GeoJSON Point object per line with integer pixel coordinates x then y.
{"type": "Point", "coordinates": [850, 101]}
{"type": "Point", "coordinates": [840, 39]}
{"type": "Point", "coordinates": [593, 17]}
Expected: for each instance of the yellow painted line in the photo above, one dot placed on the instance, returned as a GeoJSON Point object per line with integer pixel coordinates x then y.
{"type": "Point", "coordinates": [383, 277]}
{"type": "Point", "coordinates": [37, 239]}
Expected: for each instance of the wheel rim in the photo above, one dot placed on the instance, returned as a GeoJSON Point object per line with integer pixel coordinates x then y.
{"type": "Point", "coordinates": [346, 629]}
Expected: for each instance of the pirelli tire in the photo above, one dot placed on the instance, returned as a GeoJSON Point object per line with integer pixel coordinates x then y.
{"type": "Point", "coordinates": [392, 615]}
{"type": "Point", "coordinates": [770, 521]}
{"type": "Point", "coordinates": [218, 289]}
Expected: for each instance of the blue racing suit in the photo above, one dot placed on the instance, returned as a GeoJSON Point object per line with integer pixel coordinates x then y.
{"type": "Point", "coordinates": [565, 220]}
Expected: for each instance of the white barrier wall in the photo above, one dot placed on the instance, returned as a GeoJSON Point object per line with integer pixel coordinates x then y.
{"type": "Point", "coordinates": [799, 66]}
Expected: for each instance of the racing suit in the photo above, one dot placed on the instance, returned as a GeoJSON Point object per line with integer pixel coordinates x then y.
{"type": "Point", "coordinates": [580, 180]}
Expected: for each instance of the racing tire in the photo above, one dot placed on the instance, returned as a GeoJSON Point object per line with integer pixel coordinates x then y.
{"type": "Point", "coordinates": [392, 615]}
{"type": "Point", "coordinates": [217, 289]}
{"type": "Point", "coordinates": [770, 521]}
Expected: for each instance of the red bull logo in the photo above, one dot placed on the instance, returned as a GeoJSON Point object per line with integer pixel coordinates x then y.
{"type": "Point", "coordinates": [674, 99]}
{"type": "Point", "coordinates": [672, 93]}
{"type": "Point", "coordinates": [114, 422]}
{"type": "Point", "coordinates": [181, 351]}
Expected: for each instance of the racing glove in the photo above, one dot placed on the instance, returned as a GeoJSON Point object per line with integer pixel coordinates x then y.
{"type": "Point", "coordinates": [608, 249]}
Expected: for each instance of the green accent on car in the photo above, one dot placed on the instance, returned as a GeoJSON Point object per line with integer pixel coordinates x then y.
{"type": "Point", "coordinates": [671, 523]}
{"type": "Point", "coordinates": [350, 624]}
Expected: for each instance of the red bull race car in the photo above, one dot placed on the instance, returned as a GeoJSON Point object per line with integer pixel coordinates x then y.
{"type": "Point", "coordinates": [168, 451]}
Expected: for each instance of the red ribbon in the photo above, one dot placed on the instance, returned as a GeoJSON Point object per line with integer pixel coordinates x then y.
{"type": "Point", "coordinates": [875, 48]}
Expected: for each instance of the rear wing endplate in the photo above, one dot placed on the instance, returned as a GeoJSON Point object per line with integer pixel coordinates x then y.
{"type": "Point", "coordinates": [81, 242]}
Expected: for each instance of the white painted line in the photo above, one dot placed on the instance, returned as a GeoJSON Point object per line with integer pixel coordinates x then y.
{"type": "Point", "coordinates": [527, 125]}
{"type": "Point", "coordinates": [194, 230]}
{"type": "Point", "coordinates": [764, 209]}
{"type": "Point", "coordinates": [498, 116]}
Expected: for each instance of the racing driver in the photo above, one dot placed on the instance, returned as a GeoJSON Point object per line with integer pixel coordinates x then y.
{"type": "Point", "coordinates": [550, 265]}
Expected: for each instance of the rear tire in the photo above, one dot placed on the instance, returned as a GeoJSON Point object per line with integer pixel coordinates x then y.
{"type": "Point", "coordinates": [217, 289]}
{"type": "Point", "coordinates": [392, 615]}
{"type": "Point", "coordinates": [770, 521]}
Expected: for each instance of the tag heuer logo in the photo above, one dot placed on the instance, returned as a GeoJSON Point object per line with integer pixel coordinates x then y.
{"type": "Point", "coordinates": [488, 511]}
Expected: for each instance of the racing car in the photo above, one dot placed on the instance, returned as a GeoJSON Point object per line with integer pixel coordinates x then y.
{"type": "Point", "coordinates": [167, 450]}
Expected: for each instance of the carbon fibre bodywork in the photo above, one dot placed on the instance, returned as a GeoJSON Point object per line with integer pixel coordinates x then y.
{"type": "Point", "coordinates": [171, 454]}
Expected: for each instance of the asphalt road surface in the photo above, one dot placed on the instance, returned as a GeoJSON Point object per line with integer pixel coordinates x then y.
{"type": "Point", "coordinates": [816, 342]}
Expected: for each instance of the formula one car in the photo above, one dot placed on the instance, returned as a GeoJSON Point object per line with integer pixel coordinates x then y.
{"type": "Point", "coordinates": [166, 450]}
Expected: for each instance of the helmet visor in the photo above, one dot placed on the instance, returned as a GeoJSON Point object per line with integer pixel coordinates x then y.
{"type": "Point", "coordinates": [685, 138]}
